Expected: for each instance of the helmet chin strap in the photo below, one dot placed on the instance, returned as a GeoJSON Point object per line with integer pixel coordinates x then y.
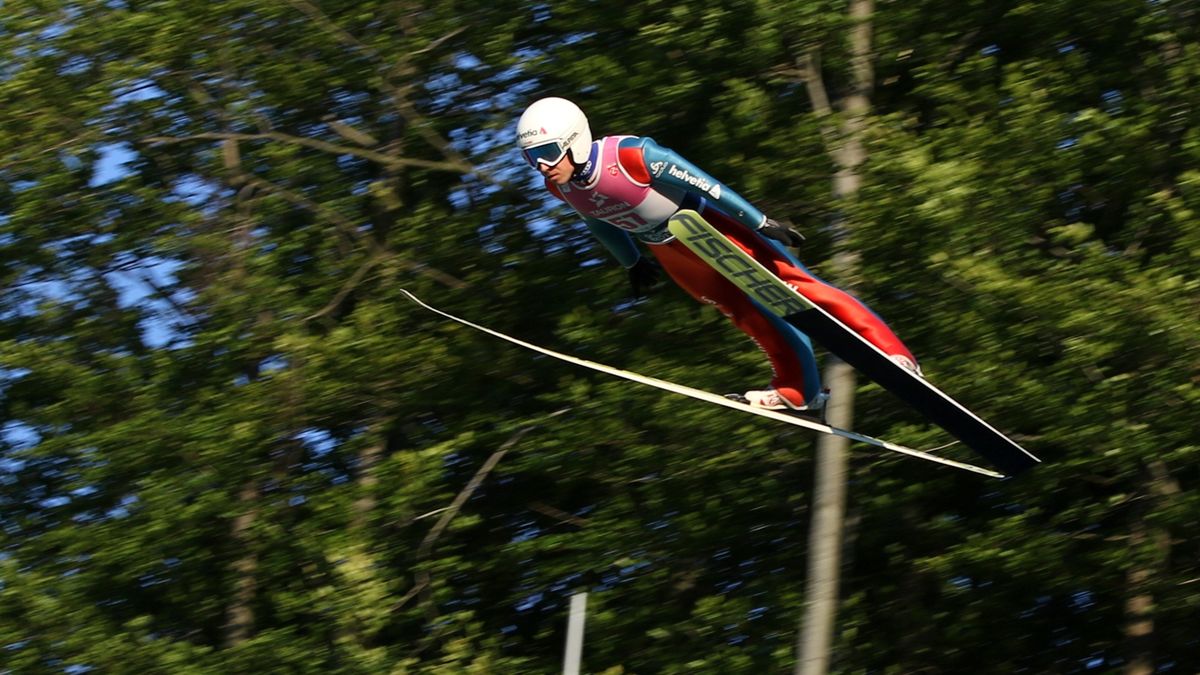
{"type": "Point", "coordinates": [584, 170]}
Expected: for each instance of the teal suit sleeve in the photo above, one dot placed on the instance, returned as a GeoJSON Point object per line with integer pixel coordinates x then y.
{"type": "Point", "coordinates": [668, 168]}
{"type": "Point", "coordinates": [615, 240]}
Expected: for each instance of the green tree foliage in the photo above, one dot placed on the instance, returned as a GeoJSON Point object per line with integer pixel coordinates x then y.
{"type": "Point", "coordinates": [232, 444]}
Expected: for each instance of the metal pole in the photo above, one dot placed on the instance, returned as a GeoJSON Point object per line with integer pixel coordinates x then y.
{"type": "Point", "coordinates": [574, 652]}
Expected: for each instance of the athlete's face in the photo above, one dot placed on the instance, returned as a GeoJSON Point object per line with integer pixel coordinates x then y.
{"type": "Point", "coordinates": [560, 173]}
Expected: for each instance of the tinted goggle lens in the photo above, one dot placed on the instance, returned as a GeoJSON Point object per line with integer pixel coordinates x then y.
{"type": "Point", "coordinates": [546, 153]}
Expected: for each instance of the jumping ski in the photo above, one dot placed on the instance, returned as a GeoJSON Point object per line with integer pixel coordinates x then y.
{"type": "Point", "coordinates": [713, 398]}
{"type": "Point", "coordinates": [784, 301]}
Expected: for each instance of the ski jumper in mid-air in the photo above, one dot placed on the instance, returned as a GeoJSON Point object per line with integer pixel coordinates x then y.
{"type": "Point", "coordinates": [627, 187]}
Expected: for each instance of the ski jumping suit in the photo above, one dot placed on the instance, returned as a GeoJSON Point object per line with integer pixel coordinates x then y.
{"type": "Point", "coordinates": [632, 186]}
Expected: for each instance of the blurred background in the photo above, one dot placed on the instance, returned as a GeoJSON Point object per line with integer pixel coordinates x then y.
{"type": "Point", "coordinates": [229, 444]}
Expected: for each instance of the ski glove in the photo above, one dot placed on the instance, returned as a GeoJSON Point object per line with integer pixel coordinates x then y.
{"type": "Point", "coordinates": [643, 275]}
{"type": "Point", "coordinates": [781, 233]}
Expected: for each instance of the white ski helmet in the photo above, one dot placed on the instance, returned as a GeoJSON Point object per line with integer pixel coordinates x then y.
{"type": "Point", "coordinates": [549, 128]}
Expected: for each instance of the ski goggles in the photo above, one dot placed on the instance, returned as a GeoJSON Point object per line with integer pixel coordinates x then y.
{"type": "Point", "coordinates": [550, 153]}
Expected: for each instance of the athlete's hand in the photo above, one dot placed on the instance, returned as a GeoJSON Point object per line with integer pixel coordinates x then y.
{"type": "Point", "coordinates": [781, 233]}
{"type": "Point", "coordinates": [643, 275]}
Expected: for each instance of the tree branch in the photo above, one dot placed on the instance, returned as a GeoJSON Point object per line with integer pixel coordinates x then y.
{"type": "Point", "coordinates": [399, 95]}
{"type": "Point", "coordinates": [350, 133]}
{"type": "Point", "coordinates": [324, 146]}
{"type": "Point", "coordinates": [347, 288]}
{"type": "Point", "coordinates": [425, 549]}
{"type": "Point", "coordinates": [558, 514]}
{"type": "Point", "coordinates": [333, 29]}
{"type": "Point", "coordinates": [344, 224]}
{"type": "Point", "coordinates": [809, 70]}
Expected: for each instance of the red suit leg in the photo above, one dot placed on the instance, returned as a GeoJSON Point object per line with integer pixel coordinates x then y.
{"type": "Point", "coordinates": [843, 306]}
{"type": "Point", "coordinates": [707, 285]}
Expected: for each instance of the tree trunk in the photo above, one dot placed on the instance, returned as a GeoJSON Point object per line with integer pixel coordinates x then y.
{"type": "Point", "coordinates": [367, 480]}
{"type": "Point", "coordinates": [1139, 605]}
{"type": "Point", "coordinates": [814, 644]}
{"type": "Point", "coordinates": [1139, 622]}
{"type": "Point", "coordinates": [239, 617]}
{"type": "Point", "coordinates": [825, 533]}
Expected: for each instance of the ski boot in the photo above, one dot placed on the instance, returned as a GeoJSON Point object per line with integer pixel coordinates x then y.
{"type": "Point", "coordinates": [769, 399]}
